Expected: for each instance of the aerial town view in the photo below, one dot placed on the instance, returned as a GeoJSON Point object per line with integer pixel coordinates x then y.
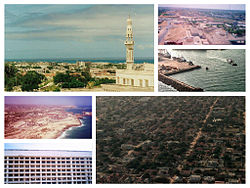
{"type": "Point", "coordinates": [201, 24]}
{"type": "Point", "coordinates": [47, 117]}
{"type": "Point", "coordinates": [201, 70]}
{"type": "Point", "coordinates": [70, 48]}
{"type": "Point", "coordinates": [170, 139]}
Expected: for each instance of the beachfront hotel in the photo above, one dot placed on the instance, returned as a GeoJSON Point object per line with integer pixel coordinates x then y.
{"type": "Point", "coordinates": [47, 167]}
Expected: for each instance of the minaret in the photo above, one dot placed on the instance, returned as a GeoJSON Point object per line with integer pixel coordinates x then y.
{"type": "Point", "coordinates": [129, 43]}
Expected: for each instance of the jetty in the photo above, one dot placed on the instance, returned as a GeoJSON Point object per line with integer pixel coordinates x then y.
{"type": "Point", "coordinates": [175, 71]}
{"type": "Point", "coordinates": [178, 85]}
{"type": "Point", "coordinates": [169, 65]}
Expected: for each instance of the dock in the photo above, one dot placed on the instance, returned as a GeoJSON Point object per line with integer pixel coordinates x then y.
{"type": "Point", "coordinates": [178, 85]}
{"type": "Point", "coordinates": [182, 70]}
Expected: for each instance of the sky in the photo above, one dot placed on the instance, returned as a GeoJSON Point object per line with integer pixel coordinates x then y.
{"type": "Point", "coordinates": [76, 31]}
{"type": "Point", "coordinates": [50, 100]}
{"type": "Point", "coordinates": [50, 146]}
{"type": "Point", "coordinates": [208, 6]}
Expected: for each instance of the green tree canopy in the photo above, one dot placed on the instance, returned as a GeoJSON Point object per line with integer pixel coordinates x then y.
{"type": "Point", "coordinates": [31, 80]}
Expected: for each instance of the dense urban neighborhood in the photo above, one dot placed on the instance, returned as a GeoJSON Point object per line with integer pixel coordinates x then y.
{"type": "Point", "coordinates": [170, 139]}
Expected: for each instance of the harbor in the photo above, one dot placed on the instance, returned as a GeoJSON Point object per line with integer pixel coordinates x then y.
{"type": "Point", "coordinates": [211, 70]}
{"type": "Point", "coordinates": [169, 65]}
{"type": "Point", "coordinates": [178, 85]}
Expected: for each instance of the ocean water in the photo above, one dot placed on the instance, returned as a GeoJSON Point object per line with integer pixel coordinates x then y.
{"type": "Point", "coordinates": [114, 60]}
{"type": "Point", "coordinates": [164, 87]}
{"type": "Point", "coordinates": [220, 76]}
{"type": "Point", "coordinates": [81, 132]}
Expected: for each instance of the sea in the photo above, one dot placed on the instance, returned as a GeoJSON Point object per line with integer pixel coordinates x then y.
{"type": "Point", "coordinates": [84, 131]}
{"type": "Point", "coordinates": [220, 76]}
{"type": "Point", "coordinates": [164, 87]}
{"type": "Point", "coordinates": [96, 60]}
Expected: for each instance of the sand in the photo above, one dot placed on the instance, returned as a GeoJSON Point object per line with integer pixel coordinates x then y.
{"type": "Point", "coordinates": [47, 128]}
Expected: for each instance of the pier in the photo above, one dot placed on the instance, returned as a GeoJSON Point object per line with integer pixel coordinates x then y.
{"type": "Point", "coordinates": [182, 70]}
{"type": "Point", "coordinates": [180, 86]}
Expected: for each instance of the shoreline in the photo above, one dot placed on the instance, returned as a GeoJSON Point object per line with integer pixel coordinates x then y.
{"type": "Point", "coordinates": [49, 130]}
{"type": "Point", "coordinates": [168, 67]}
{"type": "Point", "coordinates": [65, 129]}
{"type": "Point", "coordinates": [48, 125]}
{"type": "Point", "coordinates": [63, 133]}
{"type": "Point", "coordinates": [178, 85]}
{"type": "Point", "coordinates": [114, 61]}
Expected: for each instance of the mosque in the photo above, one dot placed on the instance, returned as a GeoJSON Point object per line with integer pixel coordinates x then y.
{"type": "Point", "coordinates": [135, 75]}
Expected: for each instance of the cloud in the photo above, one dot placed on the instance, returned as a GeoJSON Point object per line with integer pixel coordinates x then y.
{"type": "Point", "coordinates": [100, 22]}
{"type": "Point", "coordinates": [142, 47]}
{"type": "Point", "coordinates": [76, 30]}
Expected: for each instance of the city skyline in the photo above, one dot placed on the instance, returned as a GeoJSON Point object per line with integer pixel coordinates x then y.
{"type": "Point", "coordinates": [50, 100]}
{"type": "Point", "coordinates": [76, 31]}
{"type": "Point", "coordinates": [207, 6]}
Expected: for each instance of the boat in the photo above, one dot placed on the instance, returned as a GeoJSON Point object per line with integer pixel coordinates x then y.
{"type": "Point", "coordinates": [230, 61]}
{"type": "Point", "coordinates": [190, 62]}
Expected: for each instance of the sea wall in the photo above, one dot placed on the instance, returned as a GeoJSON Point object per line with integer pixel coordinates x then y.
{"type": "Point", "coordinates": [183, 70]}
{"type": "Point", "coordinates": [180, 86]}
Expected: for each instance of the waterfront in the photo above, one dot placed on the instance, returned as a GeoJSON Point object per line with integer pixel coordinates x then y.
{"type": "Point", "coordinates": [164, 87]}
{"type": "Point", "coordinates": [74, 60]}
{"type": "Point", "coordinates": [47, 117]}
{"type": "Point", "coordinates": [82, 131]}
{"type": "Point", "coordinates": [220, 76]}
{"type": "Point", "coordinates": [104, 59]}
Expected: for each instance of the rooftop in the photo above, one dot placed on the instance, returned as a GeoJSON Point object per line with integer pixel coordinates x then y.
{"type": "Point", "coordinates": [47, 153]}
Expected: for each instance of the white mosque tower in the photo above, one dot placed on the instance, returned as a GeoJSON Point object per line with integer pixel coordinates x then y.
{"type": "Point", "coordinates": [137, 77]}
{"type": "Point", "coordinates": [129, 43]}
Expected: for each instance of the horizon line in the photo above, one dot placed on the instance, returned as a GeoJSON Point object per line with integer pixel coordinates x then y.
{"type": "Point", "coordinates": [80, 58]}
{"type": "Point", "coordinates": [202, 8]}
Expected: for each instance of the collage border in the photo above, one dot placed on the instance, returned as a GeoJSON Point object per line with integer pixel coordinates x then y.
{"type": "Point", "coordinates": [94, 94]}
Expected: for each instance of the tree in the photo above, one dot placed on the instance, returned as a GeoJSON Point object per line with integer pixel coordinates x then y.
{"type": "Point", "coordinates": [11, 77]}
{"type": "Point", "coordinates": [161, 180]}
{"type": "Point", "coordinates": [31, 80]}
{"type": "Point", "coordinates": [61, 77]}
{"type": "Point", "coordinates": [86, 74]}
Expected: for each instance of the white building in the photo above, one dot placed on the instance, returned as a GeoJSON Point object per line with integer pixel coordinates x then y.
{"type": "Point", "coordinates": [138, 75]}
{"type": "Point", "coordinates": [47, 167]}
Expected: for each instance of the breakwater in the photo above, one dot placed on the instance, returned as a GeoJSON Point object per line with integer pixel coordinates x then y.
{"type": "Point", "coordinates": [183, 70]}
{"type": "Point", "coordinates": [180, 86]}
{"type": "Point", "coordinates": [220, 76]}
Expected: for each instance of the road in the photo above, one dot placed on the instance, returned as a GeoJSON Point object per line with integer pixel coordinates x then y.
{"type": "Point", "coordinates": [163, 33]}
{"type": "Point", "coordinates": [193, 143]}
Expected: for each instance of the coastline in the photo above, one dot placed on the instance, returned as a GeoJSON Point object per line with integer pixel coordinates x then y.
{"type": "Point", "coordinates": [178, 85]}
{"type": "Point", "coordinates": [168, 67]}
{"type": "Point", "coordinates": [59, 134]}
{"type": "Point", "coordinates": [42, 128]}
{"type": "Point", "coordinates": [63, 132]}
{"type": "Point", "coordinates": [74, 61]}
